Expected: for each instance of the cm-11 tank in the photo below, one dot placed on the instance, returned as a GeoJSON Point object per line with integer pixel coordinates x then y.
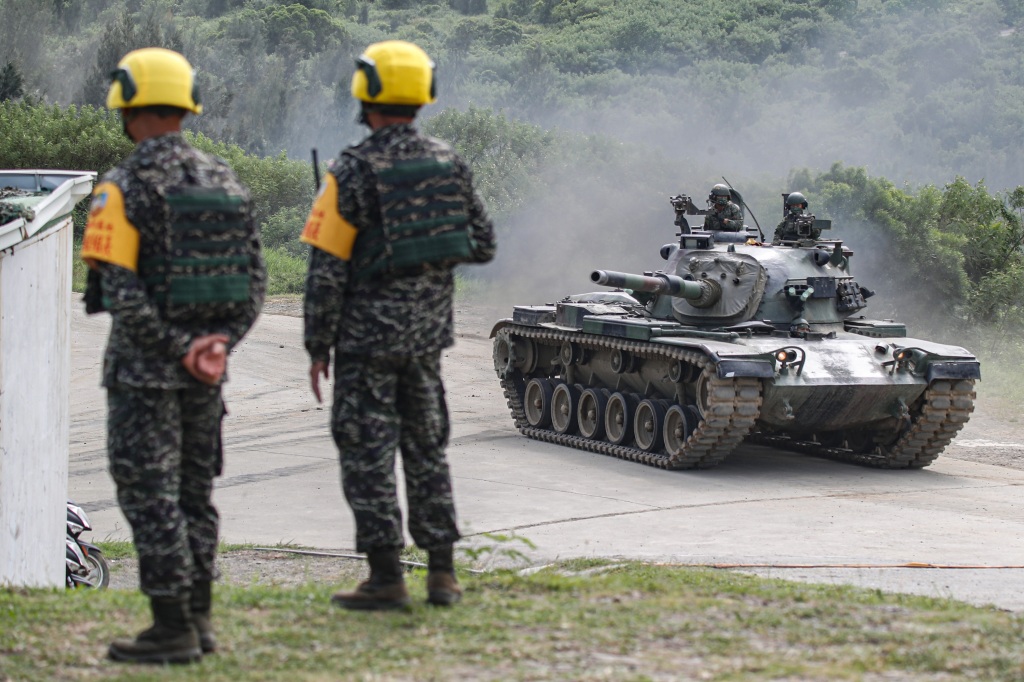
{"type": "Point", "coordinates": [733, 339]}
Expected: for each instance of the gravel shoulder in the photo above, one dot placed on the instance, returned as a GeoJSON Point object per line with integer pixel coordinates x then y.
{"type": "Point", "coordinates": [256, 567]}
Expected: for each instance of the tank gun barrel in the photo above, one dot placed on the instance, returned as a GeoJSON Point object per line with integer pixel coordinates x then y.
{"type": "Point", "coordinates": [659, 283]}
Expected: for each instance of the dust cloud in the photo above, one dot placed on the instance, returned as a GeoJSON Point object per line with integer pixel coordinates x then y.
{"type": "Point", "coordinates": [785, 118]}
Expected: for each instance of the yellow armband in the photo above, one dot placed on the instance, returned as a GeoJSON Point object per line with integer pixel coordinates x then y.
{"type": "Point", "coordinates": [325, 228]}
{"type": "Point", "coordinates": [109, 236]}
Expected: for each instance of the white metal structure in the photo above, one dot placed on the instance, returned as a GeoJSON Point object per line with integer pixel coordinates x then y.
{"type": "Point", "coordinates": [35, 370]}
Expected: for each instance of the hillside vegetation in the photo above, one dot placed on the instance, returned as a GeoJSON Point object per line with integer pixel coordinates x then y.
{"type": "Point", "coordinates": [914, 89]}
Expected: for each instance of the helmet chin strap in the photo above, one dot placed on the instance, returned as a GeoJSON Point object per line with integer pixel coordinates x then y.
{"type": "Point", "coordinates": [127, 116]}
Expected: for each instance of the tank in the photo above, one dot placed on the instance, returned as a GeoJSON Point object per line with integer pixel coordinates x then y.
{"type": "Point", "coordinates": [734, 338]}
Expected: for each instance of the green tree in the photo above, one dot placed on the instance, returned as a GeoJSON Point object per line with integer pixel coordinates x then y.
{"type": "Point", "coordinates": [12, 84]}
{"type": "Point", "coordinates": [958, 247]}
{"type": "Point", "coordinates": [119, 38]}
{"type": "Point", "coordinates": [300, 29]}
{"type": "Point", "coordinates": [505, 155]}
{"type": "Point", "coordinates": [22, 25]}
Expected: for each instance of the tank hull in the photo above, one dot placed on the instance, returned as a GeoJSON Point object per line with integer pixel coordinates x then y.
{"type": "Point", "coordinates": [843, 396]}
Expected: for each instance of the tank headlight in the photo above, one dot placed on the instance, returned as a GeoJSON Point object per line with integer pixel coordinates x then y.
{"type": "Point", "coordinates": [785, 355]}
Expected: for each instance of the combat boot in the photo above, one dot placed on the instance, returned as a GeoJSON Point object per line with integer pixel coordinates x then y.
{"type": "Point", "coordinates": [201, 604]}
{"type": "Point", "coordinates": [171, 639]}
{"type": "Point", "coordinates": [384, 590]}
{"type": "Point", "coordinates": [442, 587]}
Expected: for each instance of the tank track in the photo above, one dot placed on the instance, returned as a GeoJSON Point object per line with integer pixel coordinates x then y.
{"type": "Point", "coordinates": [946, 407]}
{"type": "Point", "coordinates": [733, 404]}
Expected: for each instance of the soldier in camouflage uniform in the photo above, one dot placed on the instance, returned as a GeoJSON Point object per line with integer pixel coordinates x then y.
{"type": "Point", "coordinates": [795, 204]}
{"type": "Point", "coordinates": [174, 257]}
{"type": "Point", "coordinates": [724, 214]}
{"type": "Point", "coordinates": [394, 215]}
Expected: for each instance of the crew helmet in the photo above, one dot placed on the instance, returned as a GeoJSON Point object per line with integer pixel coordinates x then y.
{"type": "Point", "coordinates": [153, 76]}
{"type": "Point", "coordinates": [796, 200]}
{"type": "Point", "coordinates": [720, 194]}
{"type": "Point", "coordinates": [394, 72]}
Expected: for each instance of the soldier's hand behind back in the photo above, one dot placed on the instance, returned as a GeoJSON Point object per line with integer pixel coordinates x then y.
{"type": "Point", "coordinates": [207, 358]}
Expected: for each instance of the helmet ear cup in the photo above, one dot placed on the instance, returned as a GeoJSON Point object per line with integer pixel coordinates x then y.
{"type": "Point", "coordinates": [128, 87]}
{"type": "Point", "coordinates": [369, 69]}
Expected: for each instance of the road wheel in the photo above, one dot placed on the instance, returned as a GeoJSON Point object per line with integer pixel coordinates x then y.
{"type": "Point", "coordinates": [564, 404]}
{"type": "Point", "coordinates": [590, 414]}
{"type": "Point", "coordinates": [537, 402]}
{"type": "Point", "coordinates": [679, 424]}
{"type": "Point", "coordinates": [648, 423]}
{"type": "Point", "coordinates": [618, 417]}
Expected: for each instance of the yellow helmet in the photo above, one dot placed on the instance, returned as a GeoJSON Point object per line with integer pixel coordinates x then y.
{"type": "Point", "coordinates": [394, 72]}
{"type": "Point", "coordinates": [153, 76]}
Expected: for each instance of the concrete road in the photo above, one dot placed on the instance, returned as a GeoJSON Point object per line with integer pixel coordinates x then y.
{"type": "Point", "coordinates": [776, 513]}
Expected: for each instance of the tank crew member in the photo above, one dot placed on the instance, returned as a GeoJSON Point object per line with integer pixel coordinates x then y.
{"type": "Point", "coordinates": [174, 257]}
{"type": "Point", "coordinates": [724, 215]}
{"type": "Point", "coordinates": [796, 225]}
{"type": "Point", "coordinates": [394, 215]}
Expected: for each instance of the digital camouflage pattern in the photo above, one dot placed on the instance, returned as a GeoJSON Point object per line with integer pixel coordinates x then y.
{"type": "Point", "coordinates": [387, 331]}
{"type": "Point", "coordinates": [165, 450]}
{"type": "Point", "coordinates": [729, 219]}
{"type": "Point", "coordinates": [424, 215]}
{"type": "Point", "coordinates": [385, 314]}
{"type": "Point", "coordinates": [787, 229]}
{"type": "Point", "coordinates": [164, 440]}
{"type": "Point", "coordinates": [381, 404]}
{"type": "Point", "coordinates": [144, 349]}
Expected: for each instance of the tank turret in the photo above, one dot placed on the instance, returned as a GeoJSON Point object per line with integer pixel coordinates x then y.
{"type": "Point", "coordinates": [734, 338]}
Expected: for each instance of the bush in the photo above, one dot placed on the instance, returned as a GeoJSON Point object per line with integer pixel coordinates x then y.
{"type": "Point", "coordinates": [276, 182]}
{"type": "Point", "coordinates": [286, 274]}
{"type": "Point", "coordinates": [958, 247]}
{"type": "Point", "coordinates": [282, 230]}
{"type": "Point", "coordinates": [72, 138]}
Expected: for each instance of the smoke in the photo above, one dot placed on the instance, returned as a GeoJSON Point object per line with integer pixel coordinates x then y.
{"type": "Point", "coordinates": [911, 98]}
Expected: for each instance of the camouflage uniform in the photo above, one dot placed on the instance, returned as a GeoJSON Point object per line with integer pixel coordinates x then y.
{"type": "Point", "coordinates": [387, 327]}
{"type": "Point", "coordinates": [787, 229]}
{"type": "Point", "coordinates": [715, 219]}
{"type": "Point", "coordinates": [163, 426]}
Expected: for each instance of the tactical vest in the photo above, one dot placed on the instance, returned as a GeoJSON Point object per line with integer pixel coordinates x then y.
{"type": "Point", "coordinates": [203, 273]}
{"type": "Point", "coordinates": [423, 215]}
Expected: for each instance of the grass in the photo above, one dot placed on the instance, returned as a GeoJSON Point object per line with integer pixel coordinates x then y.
{"type": "Point", "coordinates": [575, 621]}
{"type": "Point", "coordinates": [286, 273]}
{"type": "Point", "coordinates": [78, 268]}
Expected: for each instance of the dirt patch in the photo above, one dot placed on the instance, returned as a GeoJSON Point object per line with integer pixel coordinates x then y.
{"type": "Point", "coordinates": [251, 567]}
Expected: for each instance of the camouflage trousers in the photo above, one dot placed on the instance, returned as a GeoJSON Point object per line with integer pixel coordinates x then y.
{"type": "Point", "coordinates": [165, 450]}
{"type": "Point", "coordinates": [381, 404]}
